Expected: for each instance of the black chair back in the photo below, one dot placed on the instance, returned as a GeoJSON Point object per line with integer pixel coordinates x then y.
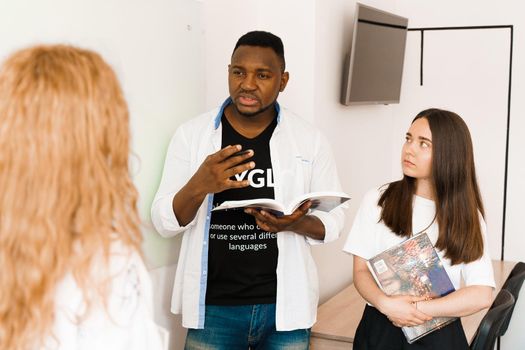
{"type": "Point", "coordinates": [491, 325]}
{"type": "Point", "coordinates": [513, 285]}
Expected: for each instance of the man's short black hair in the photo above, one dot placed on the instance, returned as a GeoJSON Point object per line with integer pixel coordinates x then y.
{"type": "Point", "coordinates": [263, 39]}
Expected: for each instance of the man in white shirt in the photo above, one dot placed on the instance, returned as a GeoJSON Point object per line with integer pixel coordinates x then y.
{"type": "Point", "coordinates": [247, 278]}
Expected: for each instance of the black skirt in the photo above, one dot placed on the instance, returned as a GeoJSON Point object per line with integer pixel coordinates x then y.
{"type": "Point", "coordinates": [376, 332]}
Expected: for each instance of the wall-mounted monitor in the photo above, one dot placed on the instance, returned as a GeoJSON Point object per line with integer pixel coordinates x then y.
{"type": "Point", "coordinates": [374, 68]}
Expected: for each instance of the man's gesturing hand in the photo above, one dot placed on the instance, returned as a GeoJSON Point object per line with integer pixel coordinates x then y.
{"type": "Point", "coordinates": [214, 174]}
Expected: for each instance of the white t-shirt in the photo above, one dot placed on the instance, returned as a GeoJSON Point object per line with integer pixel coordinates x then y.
{"type": "Point", "coordinates": [369, 237]}
{"type": "Point", "coordinates": [128, 322]}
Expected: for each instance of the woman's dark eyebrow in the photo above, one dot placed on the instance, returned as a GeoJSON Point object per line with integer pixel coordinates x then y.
{"type": "Point", "coordinates": [425, 139]}
{"type": "Point", "coordinates": [420, 137]}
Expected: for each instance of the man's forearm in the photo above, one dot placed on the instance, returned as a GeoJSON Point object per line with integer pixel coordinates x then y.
{"type": "Point", "coordinates": [186, 203]}
{"type": "Point", "coordinates": [310, 226]}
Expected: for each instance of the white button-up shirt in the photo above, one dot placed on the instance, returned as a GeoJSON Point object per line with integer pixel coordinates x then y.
{"type": "Point", "coordinates": [302, 162]}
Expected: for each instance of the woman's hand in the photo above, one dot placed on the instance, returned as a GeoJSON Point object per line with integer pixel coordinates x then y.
{"type": "Point", "coordinates": [401, 310]}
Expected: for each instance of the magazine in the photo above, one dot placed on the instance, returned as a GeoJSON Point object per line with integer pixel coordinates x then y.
{"type": "Point", "coordinates": [324, 201]}
{"type": "Point", "coordinates": [413, 268]}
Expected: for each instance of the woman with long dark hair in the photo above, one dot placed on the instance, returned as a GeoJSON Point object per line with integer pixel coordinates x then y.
{"type": "Point", "coordinates": [439, 195]}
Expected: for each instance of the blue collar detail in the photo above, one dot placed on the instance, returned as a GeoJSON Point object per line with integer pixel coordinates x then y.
{"type": "Point", "coordinates": [228, 101]}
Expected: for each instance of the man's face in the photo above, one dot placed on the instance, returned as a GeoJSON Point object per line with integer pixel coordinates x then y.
{"type": "Point", "coordinates": [255, 78]}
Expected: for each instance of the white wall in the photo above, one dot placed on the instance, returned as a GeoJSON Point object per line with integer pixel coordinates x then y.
{"type": "Point", "coordinates": [465, 72]}
{"type": "Point", "coordinates": [156, 49]}
{"type": "Point", "coordinates": [469, 76]}
{"type": "Point", "coordinates": [171, 57]}
{"type": "Point", "coordinates": [294, 20]}
{"type": "Point", "coordinates": [162, 279]}
{"type": "Point", "coordinates": [360, 135]}
{"type": "Point", "coordinates": [472, 79]}
{"type": "Point", "coordinates": [452, 81]}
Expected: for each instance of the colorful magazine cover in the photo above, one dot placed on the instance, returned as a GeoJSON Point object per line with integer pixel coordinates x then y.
{"type": "Point", "coordinates": [413, 267]}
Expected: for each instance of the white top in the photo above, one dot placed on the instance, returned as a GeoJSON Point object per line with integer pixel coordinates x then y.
{"type": "Point", "coordinates": [369, 237]}
{"type": "Point", "coordinates": [302, 162]}
{"type": "Point", "coordinates": [128, 322]}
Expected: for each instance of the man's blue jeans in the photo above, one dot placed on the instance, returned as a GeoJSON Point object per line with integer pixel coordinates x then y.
{"type": "Point", "coordinates": [244, 327]}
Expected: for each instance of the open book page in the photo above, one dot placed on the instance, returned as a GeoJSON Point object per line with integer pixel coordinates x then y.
{"type": "Point", "coordinates": [413, 267]}
{"type": "Point", "coordinates": [324, 201]}
{"type": "Point", "coordinates": [260, 203]}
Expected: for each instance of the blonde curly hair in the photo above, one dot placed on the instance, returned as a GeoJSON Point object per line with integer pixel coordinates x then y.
{"type": "Point", "coordinates": [66, 192]}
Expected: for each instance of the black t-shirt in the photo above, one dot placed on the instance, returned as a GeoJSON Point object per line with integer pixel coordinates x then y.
{"type": "Point", "coordinates": [242, 258]}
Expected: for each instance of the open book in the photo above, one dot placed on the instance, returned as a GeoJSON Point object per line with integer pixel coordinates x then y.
{"type": "Point", "coordinates": [324, 201]}
{"type": "Point", "coordinates": [413, 268]}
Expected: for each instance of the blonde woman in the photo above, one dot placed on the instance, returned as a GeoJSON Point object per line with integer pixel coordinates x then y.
{"type": "Point", "coordinates": [71, 275]}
